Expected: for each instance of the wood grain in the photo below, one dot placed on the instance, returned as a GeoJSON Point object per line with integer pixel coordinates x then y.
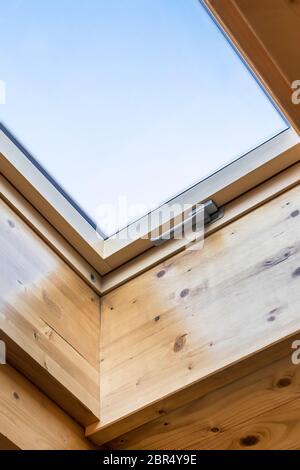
{"type": "Point", "coordinates": [260, 411]}
{"type": "Point", "coordinates": [56, 371]}
{"type": "Point", "coordinates": [51, 317]}
{"type": "Point", "coordinates": [200, 312]}
{"type": "Point", "coordinates": [30, 421]}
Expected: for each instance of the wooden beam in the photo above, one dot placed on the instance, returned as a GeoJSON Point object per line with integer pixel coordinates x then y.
{"type": "Point", "coordinates": [197, 314]}
{"type": "Point", "coordinates": [50, 377]}
{"type": "Point", "coordinates": [30, 421]}
{"type": "Point", "coordinates": [259, 411]}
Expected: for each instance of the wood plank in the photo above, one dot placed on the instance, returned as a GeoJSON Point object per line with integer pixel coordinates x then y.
{"type": "Point", "coordinates": [80, 400]}
{"type": "Point", "coordinates": [29, 420]}
{"type": "Point", "coordinates": [267, 32]}
{"type": "Point", "coordinates": [31, 273]}
{"type": "Point", "coordinates": [143, 418]}
{"type": "Point", "coordinates": [51, 317]}
{"type": "Point", "coordinates": [275, 430]}
{"type": "Point", "coordinates": [261, 410]}
{"type": "Point", "coordinates": [199, 312]}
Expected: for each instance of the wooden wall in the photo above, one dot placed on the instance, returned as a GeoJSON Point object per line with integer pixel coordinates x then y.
{"type": "Point", "coordinates": [195, 353]}
{"type": "Point", "coordinates": [49, 319]}
{"type": "Point", "coordinates": [260, 411]}
{"type": "Point", "coordinates": [176, 332]}
{"type": "Point", "coordinates": [31, 421]}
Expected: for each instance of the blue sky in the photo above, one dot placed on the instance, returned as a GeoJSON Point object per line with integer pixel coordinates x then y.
{"type": "Point", "coordinates": [135, 98]}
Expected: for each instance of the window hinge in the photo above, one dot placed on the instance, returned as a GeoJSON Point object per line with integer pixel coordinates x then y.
{"type": "Point", "coordinates": [212, 213]}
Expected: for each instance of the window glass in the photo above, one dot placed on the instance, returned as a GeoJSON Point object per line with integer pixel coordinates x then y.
{"type": "Point", "coordinates": [127, 103]}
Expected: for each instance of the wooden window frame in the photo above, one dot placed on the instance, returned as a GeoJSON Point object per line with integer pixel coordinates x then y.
{"type": "Point", "coordinates": [102, 261]}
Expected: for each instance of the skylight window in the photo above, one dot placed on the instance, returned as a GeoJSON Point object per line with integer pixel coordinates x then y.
{"type": "Point", "coordinates": [127, 103]}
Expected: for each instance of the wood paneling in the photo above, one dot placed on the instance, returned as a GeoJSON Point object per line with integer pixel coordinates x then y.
{"type": "Point", "coordinates": [260, 411]}
{"type": "Point", "coordinates": [200, 312]}
{"type": "Point", "coordinates": [268, 34]}
{"type": "Point", "coordinates": [29, 420]}
{"type": "Point", "coordinates": [49, 318]}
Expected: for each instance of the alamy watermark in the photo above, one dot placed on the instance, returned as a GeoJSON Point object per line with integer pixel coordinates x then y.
{"type": "Point", "coordinates": [296, 93]}
{"type": "Point", "coordinates": [170, 221]}
{"type": "Point", "coordinates": [296, 353]}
